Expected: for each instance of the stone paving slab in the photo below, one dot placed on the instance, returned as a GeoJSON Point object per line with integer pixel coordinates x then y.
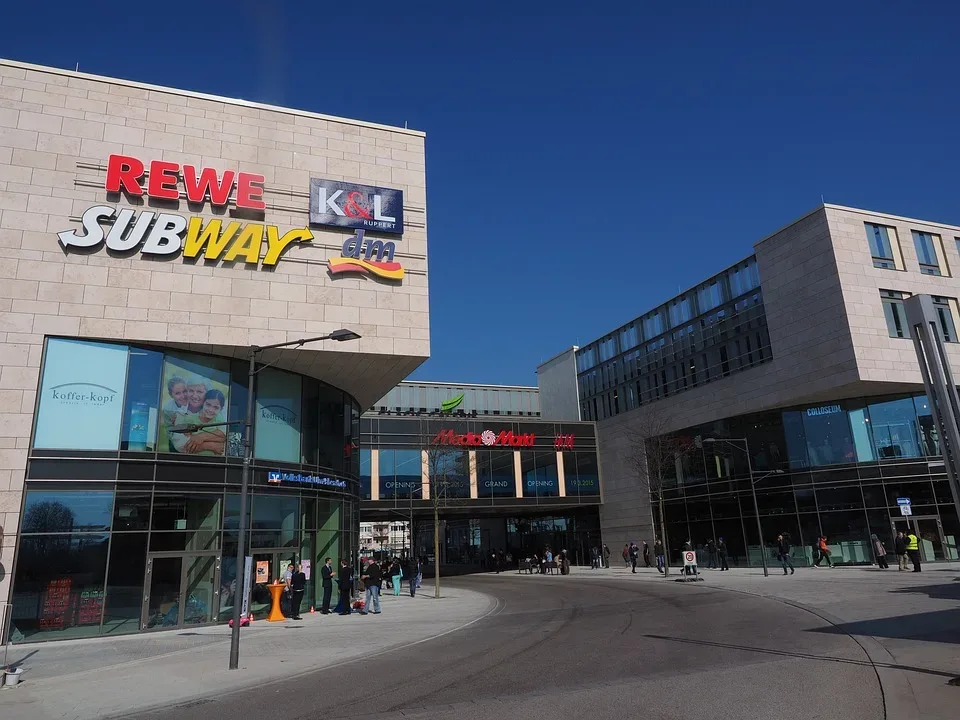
{"type": "Point", "coordinates": [111, 677]}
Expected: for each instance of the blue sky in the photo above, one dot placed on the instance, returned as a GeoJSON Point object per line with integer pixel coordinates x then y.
{"type": "Point", "coordinates": [584, 161]}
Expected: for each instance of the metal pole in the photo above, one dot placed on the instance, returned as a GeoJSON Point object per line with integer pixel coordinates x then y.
{"type": "Point", "coordinates": [244, 482]}
{"type": "Point", "coordinates": [756, 509]}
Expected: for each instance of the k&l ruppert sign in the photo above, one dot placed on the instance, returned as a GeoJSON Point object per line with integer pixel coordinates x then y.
{"type": "Point", "coordinates": [361, 207]}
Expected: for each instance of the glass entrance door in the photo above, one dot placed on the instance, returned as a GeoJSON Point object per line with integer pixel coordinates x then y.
{"type": "Point", "coordinates": [931, 538]}
{"type": "Point", "coordinates": [929, 532]}
{"type": "Point", "coordinates": [181, 589]}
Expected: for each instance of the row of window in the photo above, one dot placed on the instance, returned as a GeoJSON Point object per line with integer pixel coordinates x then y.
{"type": "Point", "coordinates": [895, 314]}
{"type": "Point", "coordinates": [724, 287]}
{"type": "Point", "coordinates": [886, 252]}
{"type": "Point", "coordinates": [746, 351]}
{"type": "Point", "coordinates": [401, 472]}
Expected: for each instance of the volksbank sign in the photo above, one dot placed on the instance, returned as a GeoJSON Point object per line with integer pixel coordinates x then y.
{"type": "Point", "coordinates": [275, 477]}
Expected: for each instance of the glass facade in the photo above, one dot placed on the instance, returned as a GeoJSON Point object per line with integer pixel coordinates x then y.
{"type": "Point", "coordinates": [130, 513]}
{"type": "Point", "coordinates": [477, 463]}
{"type": "Point", "coordinates": [835, 469]}
{"type": "Point", "coordinates": [707, 333]}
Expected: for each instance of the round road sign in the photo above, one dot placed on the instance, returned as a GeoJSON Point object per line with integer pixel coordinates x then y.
{"type": "Point", "coordinates": [689, 557]}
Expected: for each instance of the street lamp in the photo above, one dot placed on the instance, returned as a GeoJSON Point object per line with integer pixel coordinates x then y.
{"type": "Point", "coordinates": [252, 352]}
{"type": "Point", "coordinates": [732, 442]}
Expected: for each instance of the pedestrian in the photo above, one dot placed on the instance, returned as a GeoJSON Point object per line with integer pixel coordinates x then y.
{"type": "Point", "coordinates": [287, 592]}
{"type": "Point", "coordinates": [880, 552]}
{"type": "Point", "coordinates": [326, 576]}
{"type": "Point", "coordinates": [824, 552]}
{"type": "Point", "coordinates": [900, 548]}
{"type": "Point", "coordinates": [634, 554]}
{"type": "Point", "coordinates": [371, 579]}
{"type": "Point", "coordinates": [606, 556]}
{"type": "Point", "coordinates": [722, 554]}
{"type": "Point", "coordinates": [913, 550]}
{"type": "Point", "coordinates": [396, 576]}
{"type": "Point", "coordinates": [646, 554]}
{"type": "Point", "coordinates": [661, 560]}
{"type": "Point", "coordinates": [711, 555]}
{"type": "Point", "coordinates": [298, 583]}
{"type": "Point", "coordinates": [495, 560]}
{"type": "Point", "coordinates": [783, 553]}
{"type": "Point", "coordinates": [413, 572]}
{"type": "Point", "coordinates": [626, 555]}
{"type": "Point", "coordinates": [344, 586]}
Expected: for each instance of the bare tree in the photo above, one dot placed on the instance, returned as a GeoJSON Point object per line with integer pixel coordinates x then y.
{"type": "Point", "coordinates": [448, 475]}
{"type": "Point", "coordinates": [655, 454]}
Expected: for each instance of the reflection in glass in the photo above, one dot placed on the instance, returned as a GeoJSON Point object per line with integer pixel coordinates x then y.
{"type": "Point", "coordinates": [58, 588]}
{"type": "Point", "coordinates": [401, 473]}
{"type": "Point", "coordinates": [929, 437]}
{"type": "Point", "coordinates": [132, 510]}
{"type": "Point", "coordinates": [128, 556]}
{"type": "Point", "coordinates": [277, 428]}
{"type": "Point", "coordinates": [828, 435]}
{"type": "Point", "coordinates": [894, 426]}
{"type": "Point", "coordinates": [47, 511]}
{"type": "Point", "coordinates": [163, 606]}
{"type": "Point", "coordinates": [141, 412]}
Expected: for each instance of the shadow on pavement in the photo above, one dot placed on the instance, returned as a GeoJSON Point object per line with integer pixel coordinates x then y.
{"type": "Point", "coordinates": [806, 656]}
{"type": "Point", "coordinates": [941, 626]}
{"type": "Point", "coordinates": [946, 591]}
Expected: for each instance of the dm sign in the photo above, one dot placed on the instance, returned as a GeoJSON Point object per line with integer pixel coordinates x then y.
{"type": "Point", "coordinates": [361, 207]}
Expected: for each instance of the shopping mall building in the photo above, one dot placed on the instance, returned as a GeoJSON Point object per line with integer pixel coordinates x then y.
{"type": "Point", "coordinates": [792, 373]}
{"type": "Point", "coordinates": [500, 476]}
{"type": "Point", "coordinates": [149, 237]}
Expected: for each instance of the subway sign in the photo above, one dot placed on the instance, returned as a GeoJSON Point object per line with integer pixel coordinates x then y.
{"type": "Point", "coordinates": [125, 230]}
{"type": "Point", "coordinates": [487, 438]}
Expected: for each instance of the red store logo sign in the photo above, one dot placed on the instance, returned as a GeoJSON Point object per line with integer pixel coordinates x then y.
{"type": "Point", "coordinates": [488, 438]}
{"type": "Point", "coordinates": [564, 442]}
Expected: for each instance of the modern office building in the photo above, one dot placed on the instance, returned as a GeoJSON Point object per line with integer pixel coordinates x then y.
{"type": "Point", "coordinates": [792, 371]}
{"type": "Point", "coordinates": [149, 237]}
{"type": "Point", "coordinates": [501, 477]}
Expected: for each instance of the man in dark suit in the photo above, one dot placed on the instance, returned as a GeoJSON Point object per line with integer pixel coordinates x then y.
{"type": "Point", "coordinates": [326, 574]}
{"type": "Point", "coordinates": [344, 581]}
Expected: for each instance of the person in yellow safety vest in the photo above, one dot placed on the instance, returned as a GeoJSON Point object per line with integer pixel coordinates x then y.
{"type": "Point", "coordinates": [913, 550]}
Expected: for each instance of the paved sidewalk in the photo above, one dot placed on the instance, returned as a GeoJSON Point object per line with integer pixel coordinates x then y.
{"type": "Point", "coordinates": [907, 623]}
{"type": "Point", "coordinates": [105, 677]}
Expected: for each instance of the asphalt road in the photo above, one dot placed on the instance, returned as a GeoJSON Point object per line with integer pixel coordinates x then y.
{"type": "Point", "coordinates": [558, 647]}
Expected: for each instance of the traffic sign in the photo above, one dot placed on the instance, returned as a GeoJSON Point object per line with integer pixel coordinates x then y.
{"type": "Point", "coordinates": [903, 501]}
{"type": "Point", "coordinates": [906, 510]}
{"type": "Point", "coordinates": [689, 558]}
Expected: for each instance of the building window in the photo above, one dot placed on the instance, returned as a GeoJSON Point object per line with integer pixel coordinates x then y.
{"type": "Point", "coordinates": [929, 253]}
{"type": "Point", "coordinates": [881, 245]}
{"type": "Point", "coordinates": [944, 308]}
{"type": "Point", "coordinates": [894, 313]}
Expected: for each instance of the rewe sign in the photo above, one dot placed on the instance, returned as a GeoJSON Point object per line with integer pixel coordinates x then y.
{"type": "Point", "coordinates": [488, 438]}
{"type": "Point", "coordinates": [162, 233]}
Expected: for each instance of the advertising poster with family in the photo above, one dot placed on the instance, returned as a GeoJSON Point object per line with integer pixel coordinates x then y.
{"type": "Point", "coordinates": [193, 394]}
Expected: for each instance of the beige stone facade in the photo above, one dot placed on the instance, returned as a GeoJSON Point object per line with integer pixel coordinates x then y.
{"type": "Point", "coordinates": [57, 130]}
{"type": "Point", "coordinates": [828, 337]}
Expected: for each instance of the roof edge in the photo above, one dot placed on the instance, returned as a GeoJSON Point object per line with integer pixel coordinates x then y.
{"type": "Point", "coordinates": [889, 216]}
{"type": "Point", "coordinates": [208, 96]}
